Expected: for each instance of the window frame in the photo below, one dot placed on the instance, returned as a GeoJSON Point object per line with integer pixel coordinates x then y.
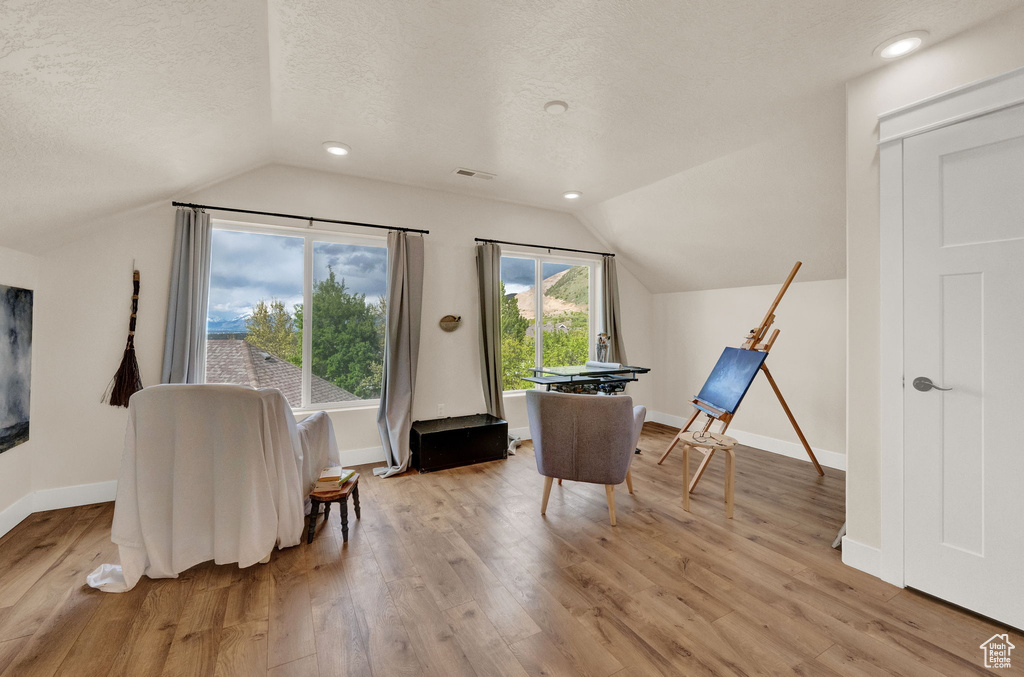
{"type": "Point", "coordinates": [596, 312]}
{"type": "Point", "coordinates": [308, 236]}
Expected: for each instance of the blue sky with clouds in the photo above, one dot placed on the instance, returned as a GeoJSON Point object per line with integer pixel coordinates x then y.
{"type": "Point", "coordinates": [519, 274]}
{"type": "Point", "coordinates": [249, 267]}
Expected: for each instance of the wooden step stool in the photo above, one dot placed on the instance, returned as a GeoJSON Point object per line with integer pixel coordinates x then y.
{"type": "Point", "coordinates": [351, 487]}
{"type": "Point", "coordinates": [711, 442]}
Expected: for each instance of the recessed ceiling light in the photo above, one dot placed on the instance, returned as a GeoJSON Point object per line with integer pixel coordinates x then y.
{"type": "Point", "coordinates": [336, 148]}
{"type": "Point", "coordinates": [901, 45]}
{"type": "Point", "coordinates": [572, 195]}
{"type": "Point", "coordinates": [556, 107]}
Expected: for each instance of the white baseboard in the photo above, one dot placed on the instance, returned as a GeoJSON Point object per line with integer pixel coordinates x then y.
{"type": "Point", "coordinates": [350, 457]}
{"type": "Point", "coordinates": [862, 557]}
{"type": "Point", "coordinates": [521, 433]}
{"type": "Point", "coordinates": [829, 459]}
{"type": "Point", "coordinates": [15, 512]}
{"type": "Point", "coordinates": [665, 419]}
{"type": "Point", "coordinates": [79, 494]}
{"type": "Point", "coordinates": [54, 499]}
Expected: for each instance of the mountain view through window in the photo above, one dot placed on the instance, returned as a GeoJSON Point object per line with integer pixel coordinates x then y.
{"type": "Point", "coordinates": [564, 337]}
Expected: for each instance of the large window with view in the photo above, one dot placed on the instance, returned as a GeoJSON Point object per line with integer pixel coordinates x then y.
{"type": "Point", "coordinates": [545, 315]}
{"type": "Point", "coordinates": [304, 314]}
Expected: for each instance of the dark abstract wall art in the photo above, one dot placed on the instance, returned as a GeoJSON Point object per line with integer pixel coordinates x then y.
{"type": "Point", "coordinates": [15, 364]}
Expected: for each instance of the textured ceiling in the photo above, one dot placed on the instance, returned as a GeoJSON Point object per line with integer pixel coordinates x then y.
{"type": "Point", "coordinates": [654, 87]}
{"type": "Point", "coordinates": [107, 105]}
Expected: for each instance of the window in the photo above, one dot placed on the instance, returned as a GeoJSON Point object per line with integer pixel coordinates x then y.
{"type": "Point", "coordinates": [277, 299]}
{"type": "Point", "coordinates": [566, 333]}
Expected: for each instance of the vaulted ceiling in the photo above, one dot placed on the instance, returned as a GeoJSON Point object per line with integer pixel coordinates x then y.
{"type": "Point", "coordinates": [110, 104]}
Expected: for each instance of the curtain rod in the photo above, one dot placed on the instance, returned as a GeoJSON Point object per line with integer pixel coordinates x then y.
{"type": "Point", "coordinates": [300, 218]}
{"type": "Point", "coordinates": [541, 246]}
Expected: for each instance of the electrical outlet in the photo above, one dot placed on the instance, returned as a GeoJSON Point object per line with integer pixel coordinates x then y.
{"type": "Point", "coordinates": [440, 410]}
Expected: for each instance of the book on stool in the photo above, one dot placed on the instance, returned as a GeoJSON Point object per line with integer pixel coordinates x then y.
{"type": "Point", "coordinates": [334, 491]}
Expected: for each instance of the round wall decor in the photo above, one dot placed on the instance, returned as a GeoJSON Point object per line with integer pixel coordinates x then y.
{"type": "Point", "coordinates": [450, 322]}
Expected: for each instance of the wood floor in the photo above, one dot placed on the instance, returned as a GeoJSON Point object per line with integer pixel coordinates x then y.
{"type": "Point", "coordinates": [456, 573]}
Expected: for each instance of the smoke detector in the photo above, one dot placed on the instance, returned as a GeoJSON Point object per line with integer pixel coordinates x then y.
{"type": "Point", "coordinates": [474, 173]}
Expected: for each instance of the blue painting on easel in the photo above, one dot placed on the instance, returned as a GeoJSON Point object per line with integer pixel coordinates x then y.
{"type": "Point", "coordinates": [731, 378]}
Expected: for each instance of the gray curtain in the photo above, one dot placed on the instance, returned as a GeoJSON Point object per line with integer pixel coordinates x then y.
{"type": "Point", "coordinates": [401, 349]}
{"type": "Point", "coordinates": [488, 268]}
{"type": "Point", "coordinates": [185, 341]}
{"type": "Point", "coordinates": [612, 311]}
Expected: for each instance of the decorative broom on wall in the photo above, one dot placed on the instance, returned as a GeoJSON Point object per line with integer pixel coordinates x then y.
{"type": "Point", "coordinates": [127, 381]}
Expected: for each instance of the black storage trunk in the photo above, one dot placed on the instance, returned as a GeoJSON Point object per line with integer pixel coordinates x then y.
{"type": "Point", "coordinates": [460, 440]}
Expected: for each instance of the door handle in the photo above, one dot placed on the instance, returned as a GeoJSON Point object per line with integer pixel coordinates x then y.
{"type": "Point", "coordinates": [924, 384]}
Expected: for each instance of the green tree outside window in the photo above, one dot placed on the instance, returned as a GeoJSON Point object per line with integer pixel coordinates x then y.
{"type": "Point", "coordinates": [347, 335]}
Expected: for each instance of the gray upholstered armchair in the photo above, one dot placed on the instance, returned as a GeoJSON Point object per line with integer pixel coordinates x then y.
{"type": "Point", "coordinates": [584, 438]}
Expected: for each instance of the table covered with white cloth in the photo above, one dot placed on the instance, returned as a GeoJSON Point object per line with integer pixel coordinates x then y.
{"type": "Point", "coordinates": [210, 472]}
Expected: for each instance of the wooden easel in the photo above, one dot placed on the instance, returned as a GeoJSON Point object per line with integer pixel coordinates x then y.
{"type": "Point", "coordinates": [755, 341]}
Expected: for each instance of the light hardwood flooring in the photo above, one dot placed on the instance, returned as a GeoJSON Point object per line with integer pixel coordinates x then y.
{"type": "Point", "coordinates": [456, 573]}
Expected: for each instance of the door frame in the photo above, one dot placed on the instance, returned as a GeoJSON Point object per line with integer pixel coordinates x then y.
{"type": "Point", "coordinates": [949, 108]}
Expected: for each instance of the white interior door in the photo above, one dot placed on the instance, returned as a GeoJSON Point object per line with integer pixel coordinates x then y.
{"type": "Point", "coordinates": [964, 329]}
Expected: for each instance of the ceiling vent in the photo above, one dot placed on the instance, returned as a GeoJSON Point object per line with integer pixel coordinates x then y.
{"type": "Point", "coordinates": [473, 173]}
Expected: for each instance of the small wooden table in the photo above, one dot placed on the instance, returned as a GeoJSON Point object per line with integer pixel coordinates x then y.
{"type": "Point", "coordinates": [350, 488]}
{"type": "Point", "coordinates": [712, 442]}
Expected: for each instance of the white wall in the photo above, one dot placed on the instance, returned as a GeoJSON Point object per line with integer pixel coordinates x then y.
{"type": "Point", "coordinates": [985, 51]}
{"type": "Point", "coordinates": [729, 221]}
{"type": "Point", "coordinates": [808, 361]}
{"type": "Point", "coordinates": [80, 341]}
{"type": "Point", "coordinates": [82, 333]}
{"type": "Point", "coordinates": [21, 270]}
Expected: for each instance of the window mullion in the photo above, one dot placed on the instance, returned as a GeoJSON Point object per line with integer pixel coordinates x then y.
{"type": "Point", "coordinates": [538, 325]}
{"type": "Point", "coordinates": [307, 322]}
{"type": "Point", "coordinates": [595, 313]}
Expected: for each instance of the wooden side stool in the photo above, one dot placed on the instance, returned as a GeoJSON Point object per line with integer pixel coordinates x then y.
{"type": "Point", "coordinates": [350, 488]}
{"type": "Point", "coordinates": [711, 442]}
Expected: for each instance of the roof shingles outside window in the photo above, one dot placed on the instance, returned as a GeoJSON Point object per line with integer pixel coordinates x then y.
{"type": "Point", "coordinates": [237, 361]}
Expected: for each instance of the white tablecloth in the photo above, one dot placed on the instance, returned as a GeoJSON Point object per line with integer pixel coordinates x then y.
{"type": "Point", "coordinates": [210, 472]}
{"type": "Point", "coordinates": [319, 447]}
